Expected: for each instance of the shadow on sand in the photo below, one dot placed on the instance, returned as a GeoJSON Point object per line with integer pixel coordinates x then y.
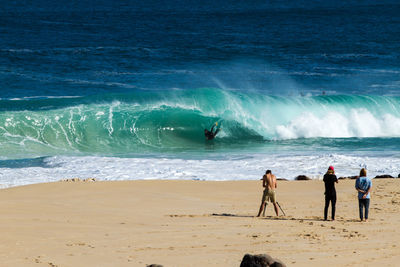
{"type": "Point", "coordinates": [231, 215]}
{"type": "Point", "coordinates": [282, 218]}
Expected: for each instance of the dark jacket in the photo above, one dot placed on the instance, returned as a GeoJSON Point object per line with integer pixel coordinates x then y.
{"type": "Point", "coordinates": [330, 180]}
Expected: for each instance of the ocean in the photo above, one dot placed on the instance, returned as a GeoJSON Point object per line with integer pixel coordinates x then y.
{"type": "Point", "coordinates": [123, 90]}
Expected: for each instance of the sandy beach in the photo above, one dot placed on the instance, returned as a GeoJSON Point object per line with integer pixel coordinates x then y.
{"type": "Point", "coordinates": [194, 223]}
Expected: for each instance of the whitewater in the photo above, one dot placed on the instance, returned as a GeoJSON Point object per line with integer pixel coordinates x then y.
{"type": "Point", "coordinates": [165, 120]}
{"type": "Point", "coordinates": [124, 90]}
{"type": "Point", "coordinates": [159, 135]}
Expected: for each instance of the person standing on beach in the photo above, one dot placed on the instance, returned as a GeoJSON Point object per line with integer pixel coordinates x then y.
{"type": "Point", "coordinates": [330, 192]}
{"type": "Point", "coordinates": [270, 184]}
{"type": "Point", "coordinates": [363, 187]}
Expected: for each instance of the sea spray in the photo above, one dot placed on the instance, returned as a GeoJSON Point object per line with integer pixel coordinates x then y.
{"type": "Point", "coordinates": [167, 120]}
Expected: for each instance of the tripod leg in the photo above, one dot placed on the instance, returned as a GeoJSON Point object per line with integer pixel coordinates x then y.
{"type": "Point", "coordinates": [281, 208]}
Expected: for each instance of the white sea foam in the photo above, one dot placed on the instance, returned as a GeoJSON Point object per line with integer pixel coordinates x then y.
{"type": "Point", "coordinates": [357, 123]}
{"type": "Point", "coordinates": [40, 97]}
{"type": "Point", "coordinates": [239, 167]}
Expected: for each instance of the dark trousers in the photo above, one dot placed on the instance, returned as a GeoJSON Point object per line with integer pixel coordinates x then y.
{"type": "Point", "coordinates": [332, 199]}
{"type": "Point", "coordinates": [363, 203]}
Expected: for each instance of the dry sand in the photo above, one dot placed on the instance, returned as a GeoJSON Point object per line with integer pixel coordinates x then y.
{"type": "Point", "coordinates": [194, 223]}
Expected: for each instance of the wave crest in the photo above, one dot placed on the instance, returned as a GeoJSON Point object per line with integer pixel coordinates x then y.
{"type": "Point", "coordinates": [145, 121]}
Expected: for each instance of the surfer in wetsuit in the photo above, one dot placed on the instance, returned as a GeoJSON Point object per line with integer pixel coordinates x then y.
{"type": "Point", "coordinates": [211, 134]}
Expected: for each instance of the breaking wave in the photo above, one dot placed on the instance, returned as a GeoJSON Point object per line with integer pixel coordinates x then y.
{"type": "Point", "coordinates": [160, 120]}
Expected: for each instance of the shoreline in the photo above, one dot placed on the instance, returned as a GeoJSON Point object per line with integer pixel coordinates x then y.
{"type": "Point", "coordinates": [242, 166]}
{"type": "Point", "coordinates": [193, 223]}
{"type": "Point", "coordinates": [300, 177]}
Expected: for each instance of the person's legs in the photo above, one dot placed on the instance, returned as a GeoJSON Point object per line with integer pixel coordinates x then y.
{"type": "Point", "coordinates": [360, 207]}
{"type": "Point", "coordinates": [212, 128]}
{"type": "Point", "coordinates": [366, 208]}
{"type": "Point", "coordinates": [326, 207]}
{"type": "Point", "coordinates": [333, 199]}
{"type": "Point", "coordinates": [263, 203]}
{"type": "Point", "coordinates": [276, 208]}
{"type": "Point", "coordinates": [272, 198]}
{"type": "Point", "coordinates": [265, 207]}
{"type": "Point", "coordinates": [262, 206]}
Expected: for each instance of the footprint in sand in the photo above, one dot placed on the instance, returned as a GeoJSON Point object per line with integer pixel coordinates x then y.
{"type": "Point", "coordinates": [80, 244]}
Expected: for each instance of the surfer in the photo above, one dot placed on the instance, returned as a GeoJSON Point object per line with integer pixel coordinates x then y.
{"type": "Point", "coordinates": [211, 134]}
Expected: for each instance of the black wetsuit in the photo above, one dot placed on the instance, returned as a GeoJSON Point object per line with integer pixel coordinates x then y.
{"type": "Point", "coordinates": [210, 134]}
{"type": "Point", "coordinates": [330, 194]}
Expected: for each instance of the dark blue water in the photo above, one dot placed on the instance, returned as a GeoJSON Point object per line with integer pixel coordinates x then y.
{"type": "Point", "coordinates": [131, 79]}
{"type": "Point", "coordinates": [82, 48]}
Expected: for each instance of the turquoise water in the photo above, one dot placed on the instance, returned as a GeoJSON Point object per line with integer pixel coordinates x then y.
{"type": "Point", "coordinates": [173, 121]}
{"type": "Point", "coordinates": [125, 89]}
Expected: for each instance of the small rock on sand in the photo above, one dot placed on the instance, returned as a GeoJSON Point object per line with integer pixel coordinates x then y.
{"type": "Point", "coordinates": [383, 176]}
{"type": "Point", "coordinates": [262, 260]}
{"type": "Point", "coordinates": [302, 178]}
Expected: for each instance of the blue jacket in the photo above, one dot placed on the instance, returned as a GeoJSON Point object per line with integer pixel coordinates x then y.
{"type": "Point", "coordinates": [364, 184]}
